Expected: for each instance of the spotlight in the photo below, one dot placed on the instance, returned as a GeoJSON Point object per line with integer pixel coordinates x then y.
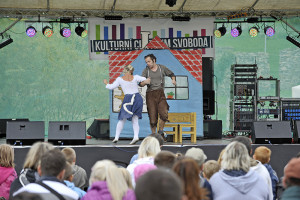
{"type": "Point", "coordinates": [30, 31]}
{"type": "Point", "coordinates": [253, 31]}
{"type": "Point", "coordinates": [237, 31]}
{"type": "Point", "coordinates": [269, 31]}
{"type": "Point", "coordinates": [113, 17]}
{"type": "Point", "coordinates": [293, 41]}
{"type": "Point", "coordinates": [47, 31]}
{"type": "Point", "coordinates": [180, 18]}
{"type": "Point", "coordinates": [6, 42]}
{"type": "Point", "coordinates": [171, 3]}
{"type": "Point", "coordinates": [220, 32]}
{"type": "Point", "coordinates": [80, 31]}
{"type": "Point", "coordinates": [65, 32]}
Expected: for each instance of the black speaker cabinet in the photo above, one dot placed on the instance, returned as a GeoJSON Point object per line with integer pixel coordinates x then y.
{"type": "Point", "coordinates": [208, 73]}
{"type": "Point", "coordinates": [99, 128]}
{"type": "Point", "coordinates": [212, 129]}
{"type": "Point", "coordinates": [67, 132]}
{"type": "Point", "coordinates": [24, 132]}
{"type": "Point", "coordinates": [3, 123]}
{"type": "Point", "coordinates": [296, 131]}
{"type": "Point", "coordinates": [271, 132]}
{"type": "Point", "coordinates": [208, 102]}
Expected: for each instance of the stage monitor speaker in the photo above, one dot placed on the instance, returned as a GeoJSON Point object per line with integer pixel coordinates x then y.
{"type": "Point", "coordinates": [208, 102]}
{"type": "Point", "coordinates": [212, 129]}
{"type": "Point", "coordinates": [3, 123]}
{"type": "Point", "coordinates": [296, 131]}
{"type": "Point", "coordinates": [207, 73]}
{"type": "Point", "coordinates": [274, 132]}
{"type": "Point", "coordinates": [67, 132]}
{"type": "Point", "coordinates": [99, 128]}
{"type": "Point", "coordinates": [25, 132]}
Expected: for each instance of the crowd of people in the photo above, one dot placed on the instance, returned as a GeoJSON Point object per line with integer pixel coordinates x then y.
{"type": "Point", "coordinates": [51, 173]}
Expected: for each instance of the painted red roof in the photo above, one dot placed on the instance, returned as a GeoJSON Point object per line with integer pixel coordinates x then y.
{"type": "Point", "coordinates": [190, 59]}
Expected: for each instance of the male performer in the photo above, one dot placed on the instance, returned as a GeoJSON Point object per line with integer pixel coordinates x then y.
{"type": "Point", "coordinates": [155, 96]}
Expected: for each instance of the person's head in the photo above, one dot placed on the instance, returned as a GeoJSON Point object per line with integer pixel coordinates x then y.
{"type": "Point", "coordinates": [126, 176]}
{"type": "Point", "coordinates": [53, 163]}
{"type": "Point", "coordinates": [106, 170]}
{"type": "Point", "coordinates": [292, 173]}
{"type": "Point", "coordinates": [68, 172]}
{"type": "Point", "coordinates": [35, 153]}
{"type": "Point", "coordinates": [70, 154]}
{"type": "Point", "coordinates": [188, 171]}
{"type": "Point", "coordinates": [246, 141]}
{"type": "Point", "coordinates": [159, 138]}
{"type": "Point", "coordinates": [142, 169]}
{"type": "Point", "coordinates": [197, 154]}
{"type": "Point", "coordinates": [165, 159]}
{"type": "Point", "coordinates": [210, 167]}
{"type": "Point", "coordinates": [236, 157]}
{"type": "Point", "coordinates": [149, 147]}
{"type": "Point", "coordinates": [159, 184]}
{"type": "Point", "coordinates": [262, 154]}
{"type": "Point", "coordinates": [150, 60]}
{"type": "Point", "coordinates": [128, 69]}
{"type": "Point", "coordinates": [220, 156]}
{"type": "Point", "coordinates": [6, 156]}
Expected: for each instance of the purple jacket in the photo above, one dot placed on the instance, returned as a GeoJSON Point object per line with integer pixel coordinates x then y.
{"type": "Point", "coordinates": [99, 191]}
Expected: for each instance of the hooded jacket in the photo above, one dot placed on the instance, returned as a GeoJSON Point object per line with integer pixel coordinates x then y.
{"type": "Point", "coordinates": [246, 187]}
{"type": "Point", "coordinates": [7, 176]}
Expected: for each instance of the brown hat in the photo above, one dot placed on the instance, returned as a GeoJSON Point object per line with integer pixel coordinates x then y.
{"type": "Point", "coordinates": [292, 169]}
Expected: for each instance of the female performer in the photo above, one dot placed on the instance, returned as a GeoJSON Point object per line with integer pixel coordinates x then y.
{"type": "Point", "coordinates": [132, 105]}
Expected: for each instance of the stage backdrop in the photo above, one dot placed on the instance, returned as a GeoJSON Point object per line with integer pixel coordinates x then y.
{"type": "Point", "coordinates": [127, 35]}
{"type": "Point", "coordinates": [185, 97]}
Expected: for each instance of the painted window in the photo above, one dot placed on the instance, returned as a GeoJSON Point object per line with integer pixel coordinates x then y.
{"type": "Point", "coordinates": [180, 91]}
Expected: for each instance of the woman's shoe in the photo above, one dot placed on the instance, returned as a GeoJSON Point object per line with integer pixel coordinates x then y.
{"type": "Point", "coordinates": [115, 141]}
{"type": "Point", "coordinates": [134, 141]}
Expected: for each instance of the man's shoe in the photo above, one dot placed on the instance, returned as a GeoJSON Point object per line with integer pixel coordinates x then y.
{"type": "Point", "coordinates": [115, 141]}
{"type": "Point", "coordinates": [134, 141]}
{"type": "Point", "coordinates": [163, 135]}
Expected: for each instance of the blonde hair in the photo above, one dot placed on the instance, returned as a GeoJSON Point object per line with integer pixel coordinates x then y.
{"type": "Point", "coordinates": [220, 156]}
{"type": "Point", "coordinates": [149, 147]}
{"type": "Point", "coordinates": [68, 171]}
{"type": "Point", "coordinates": [6, 156]}
{"type": "Point", "coordinates": [35, 153]}
{"type": "Point", "coordinates": [70, 154]}
{"type": "Point", "coordinates": [210, 167]}
{"type": "Point", "coordinates": [236, 157]}
{"type": "Point", "coordinates": [127, 177]}
{"type": "Point", "coordinates": [106, 170]}
{"type": "Point", "coordinates": [263, 154]}
{"type": "Point", "coordinates": [128, 68]}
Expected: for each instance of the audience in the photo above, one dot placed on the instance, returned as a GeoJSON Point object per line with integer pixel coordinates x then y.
{"type": "Point", "coordinates": [51, 185]}
{"type": "Point", "coordinates": [107, 182]}
{"type": "Point", "coordinates": [79, 177]}
{"type": "Point", "coordinates": [142, 169]}
{"type": "Point", "coordinates": [165, 159]}
{"type": "Point", "coordinates": [7, 171]}
{"type": "Point", "coordinates": [210, 167]}
{"type": "Point", "coordinates": [236, 180]}
{"type": "Point", "coordinates": [127, 177]}
{"type": "Point", "coordinates": [27, 196]}
{"type": "Point", "coordinates": [29, 172]}
{"type": "Point", "coordinates": [188, 171]}
{"type": "Point", "coordinates": [291, 180]}
{"type": "Point", "coordinates": [159, 184]}
{"type": "Point", "coordinates": [263, 154]}
{"type": "Point", "coordinates": [68, 179]}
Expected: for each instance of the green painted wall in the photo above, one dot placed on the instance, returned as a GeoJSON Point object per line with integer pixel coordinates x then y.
{"type": "Point", "coordinates": [52, 79]}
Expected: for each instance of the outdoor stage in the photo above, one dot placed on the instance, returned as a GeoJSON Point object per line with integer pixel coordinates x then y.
{"type": "Point", "coordinates": [121, 153]}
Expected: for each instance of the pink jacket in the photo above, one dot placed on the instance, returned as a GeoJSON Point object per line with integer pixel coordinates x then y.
{"type": "Point", "coordinates": [7, 176]}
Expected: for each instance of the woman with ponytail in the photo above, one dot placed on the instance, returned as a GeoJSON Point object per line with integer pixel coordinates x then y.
{"type": "Point", "coordinates": [107, 182]}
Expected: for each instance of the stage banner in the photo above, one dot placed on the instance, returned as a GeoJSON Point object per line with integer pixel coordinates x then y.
{"type": "Point", "coordinates": [133, 34]}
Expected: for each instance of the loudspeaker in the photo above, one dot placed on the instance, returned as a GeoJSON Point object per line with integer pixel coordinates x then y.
{"type": "Point", "coordinates": [67, 132]}
{"type": "Point", "coordinates": [208, 102]}
{"type": "Point", "coordinates": [264, 132]}
{"type": "Point", "coordinates": [212, 129]}
{"type": "Point", "coordinates": [3, 123]}
{"type": "Point", "coordinates": [296, 131]}
{"type": "Point", "coordinates": [25, 132]}
{"type": "Point", "coordinates": [207, 73]}
{"type": "Point", "coordinates": [99, 128]}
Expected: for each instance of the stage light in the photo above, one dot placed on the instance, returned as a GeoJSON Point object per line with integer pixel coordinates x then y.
{"type": "Point", "coordinates": [253, 31]}
{"type": "Point", "coordinates": [65, 32]}
{"type": "Point", "coordinates": [47, 31]}
{"type": "Point", "coordinates": [269, 31]}
{"type": "Point", "coordinates": [80, 31]}
{"type": "Point", "coordinates": [171, 3]}
{"type": "Point", "coordinates": [237, 31]}
{"type": "Point", "coordinates": [293, 41]}
{"type": "Point", "coordinates": [220, 32]}
{"type": "Point", "coordinates": [30, 31]}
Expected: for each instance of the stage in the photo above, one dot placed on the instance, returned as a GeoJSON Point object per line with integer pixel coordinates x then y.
{"type": "Point", "coordinates": [121, 153]}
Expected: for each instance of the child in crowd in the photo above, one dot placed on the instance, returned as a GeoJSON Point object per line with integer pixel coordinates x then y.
{"type": "Point", "coordinates": [68, 179]}
{"type": "Point", "coordinates": [210, 168]}
{"type": "Point", "coordinates": [7, 171]}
